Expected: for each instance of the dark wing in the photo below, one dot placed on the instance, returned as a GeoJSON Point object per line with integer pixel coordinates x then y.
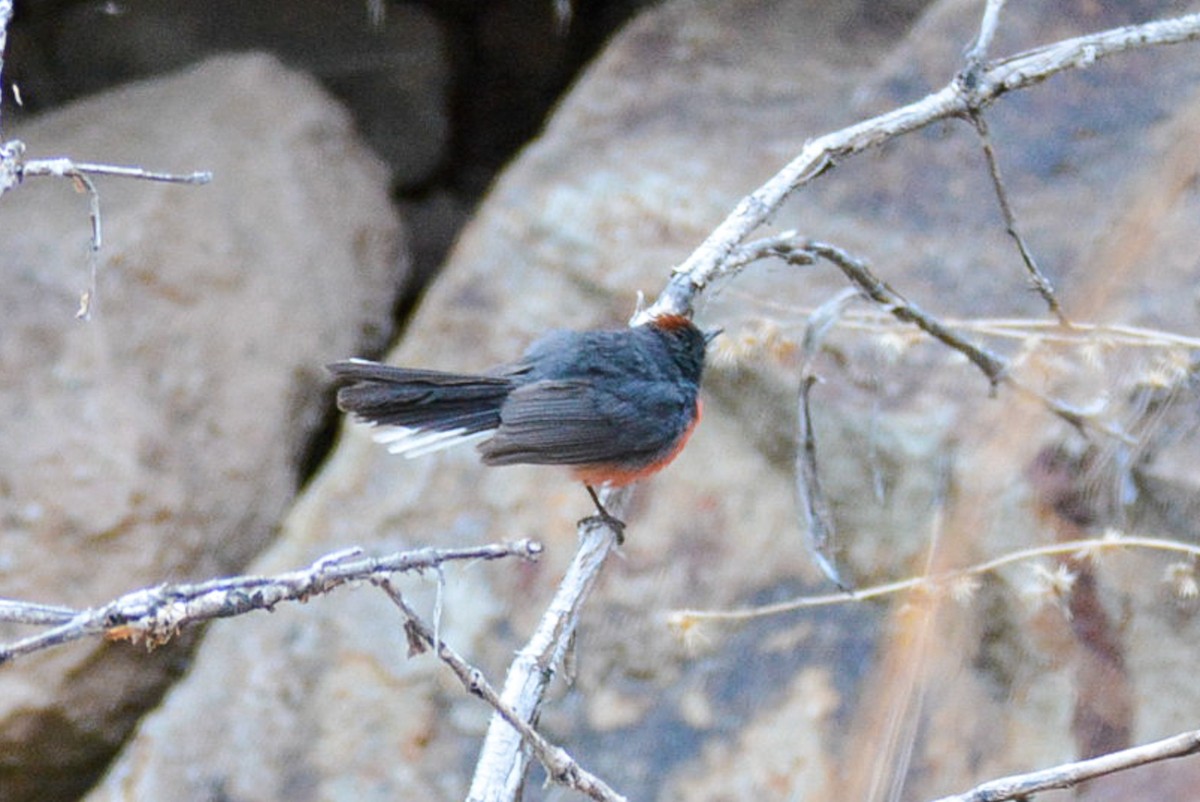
{"type": "Point", "coordinates": [570, 422]}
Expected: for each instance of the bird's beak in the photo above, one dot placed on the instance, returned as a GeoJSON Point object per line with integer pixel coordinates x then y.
{"type": "Point", "coordinates": [711, 334]}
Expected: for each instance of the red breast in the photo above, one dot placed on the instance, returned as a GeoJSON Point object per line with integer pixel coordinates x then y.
{"type": "Point", "coordinates": [621, 475]}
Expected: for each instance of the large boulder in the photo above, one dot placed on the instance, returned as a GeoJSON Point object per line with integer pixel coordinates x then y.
{"type": "Point", "coordinates": [163, 438]}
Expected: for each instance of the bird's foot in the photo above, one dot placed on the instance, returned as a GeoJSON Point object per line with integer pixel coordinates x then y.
{"type": "Point", "coordinates": [611, 521]}
{"type": "Point", "coordinates": [605, 517]}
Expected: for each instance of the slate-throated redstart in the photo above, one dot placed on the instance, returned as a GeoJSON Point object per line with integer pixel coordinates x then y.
{"type": "Point", "coordinates": [614, 406]}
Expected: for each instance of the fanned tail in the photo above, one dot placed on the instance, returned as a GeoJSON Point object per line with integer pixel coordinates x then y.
{"type": "Point", "coordinates": [420, 411]}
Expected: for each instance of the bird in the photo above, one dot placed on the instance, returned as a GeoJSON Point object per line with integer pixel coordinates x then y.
{"type": "Point", "coordinates": [613, 406]}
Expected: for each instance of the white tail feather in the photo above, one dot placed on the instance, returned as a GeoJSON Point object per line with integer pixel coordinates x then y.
{"type": "Point", "coordinates": [412, 443]}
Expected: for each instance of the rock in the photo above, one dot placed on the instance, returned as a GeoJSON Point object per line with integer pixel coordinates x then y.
{"type": "Point", "coordinates": [693, 106]}
{"type": "Point", "coordinates": [162, 439]}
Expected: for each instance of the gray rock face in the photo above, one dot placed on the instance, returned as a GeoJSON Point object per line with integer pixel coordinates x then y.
{"type": "Point", "coordinates": [162, 439]}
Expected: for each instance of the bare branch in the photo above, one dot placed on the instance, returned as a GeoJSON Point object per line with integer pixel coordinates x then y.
{"type": "Point", "coordinates": [562, 16]}
{"type": "Point", "coordinates": [1036, 276]}
{"type": "Point", "coordinates": [154, 615]}
{"type": "Point", "coordinates": [977, 55]}
{"type": "Point", "coordinates": [994, 366]}
{"type": "Point", "coordinates": [780, 245]}
{"type": "Point", "coordinates": [64, 168]}
{"type": "Point", "coordinates": [560, 766]}
{"type": "Point", "coordinates": [500, 770]}
{"type": "Point", "coordinates": [10, 152]}
{"type": "Point", "coordinates": [1068, 775]}
{"type": "Point", "coordinates": [14, 169]}
{"type": "Point", "coordinates": [376, 13]}
{"type": "Point", "coordinates": [956, 99]}
{"type": "Point", "coordinates": [18, 612]}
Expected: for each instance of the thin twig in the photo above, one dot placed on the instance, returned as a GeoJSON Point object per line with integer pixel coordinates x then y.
{"type": "Point", "coordinates": [67, 168]}
{"type": "Point", "coordinates": [817, 521]}
{"type": "Point", "coordinates": [1068, 775]}
{"type": "Point", "coordinates": [993, 366]}
{"type": "Point", "coordinates": [681, 619]}
{"type": "Point", "coordinates": [779, 245]}
{"type": "Point", "coordinates": [14, 169]}
{"type": "Point", "coordinates": [84, 312]}
{"type": "Point", "coordinates": [376, 13]}
{"type": "Point", "coordinates": [562, 16]}
{"type": "Point", "coordinates": [956, 99]}
{"type": "Point", "coordinates": [988, 25]}
{"type": "Point", "coordinates": [1040, 282]}
{"type": "Point", "coordinates": [10, 152]}
{"type": "Point", "coordinates": [19, 612]}
{"type": "Point", "coordinates": [560, 766]}
{"type": "Point", "coordinates": [500, 770]}
{"type": "Point", "coordinates": [154, 615]}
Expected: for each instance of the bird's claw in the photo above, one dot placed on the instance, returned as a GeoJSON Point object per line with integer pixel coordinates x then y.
{"type": "Point", "coordinates": [611, 521]}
